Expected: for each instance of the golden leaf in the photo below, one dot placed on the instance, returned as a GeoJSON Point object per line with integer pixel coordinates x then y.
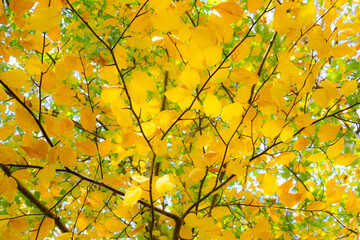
{"type": "Point", "coordinates": [132, 195]}
{"type": "Point", "coordinates": [212, 106]}
{"type": "Point", "coordinates": [68, 157]}
{"type": "Point", "coordinates": [43, 19]}
{"type": "Point", "coordinates": [87, 147]}
{"type": "Point", "coordinates": [316, 206]}
{"type": "Point", "coordinates": [230, 11]}
{"type": "Point", "coordinates": [88, 119]}
{"type": "Point", "coordinates": [164, 184]}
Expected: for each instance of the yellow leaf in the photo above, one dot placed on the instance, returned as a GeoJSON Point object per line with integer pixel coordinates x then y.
{"type": "Point", "coordinates": [8, 155]}
{"type": "Point", "coordinates": [160, 4]}
{"type": "Point", "coordinates": [52, 125]}
{"type": "Point", "coordinates": [47, 174]}
{"type": "Point", "coordinates": [139, 178]}
{"type": "Point", "coordinates": [306, 14]}
{"type": "Point", "coordinates": [185, 232]}
{"type": "Point", "coordinates": [67, 156]}
{"type": "Point", "coordinates": [316, 206]}
{"type": "Point", "coordinates": [328, 132]}
{"type": "Point", "coordinates": [109, 95]}
{"type": "Point", "coordinates": [19, 224]}
{"type": "Point", "coordinates": [53, 154]}
{"type": "Point", "coordinates": [136, 230]}
{"type": "Point", "coordinates": [96, 199]}
{"type": "Point", "coordinates": [164, 184]}
{"type": "Point", "coordinates": [349, 87]}
{"type": "Point", "coordinates": [115, 182]}
{"type": "Point", "coordinates": [213, 55]}
{"type": "Point", "coordinates": [220, 75]}
{"type": "Point", "coordinates": [272, 128]}
{"type": "Point", "coordinates": [335, 149]}
{"type": "Point", "coordinates": [212, 106]}
{"type": "Point", "coordinates": [3, 94]}
{"type": "Point", "coordinates": [63, 94]}
{"type": "Point", "coordinates": [120, 56]}
{"type": "Point", "coordinates": [110, 74]}
{"type": "Point", "coordinates": [132, 195]}
{"type": "Point", "coordinates": [87, 147]}
{"type": "Point", "coordinates": [22, 174]}
{"type": "Point", "coordinates": [263, 229]}
{"type": "Point", "coordinates": [177, 94]}
{"type": "Point", "coordinates": [4, 183]}
{"type": "Point", "coordinates": [195, 176]}
{"type": "Point", "coordinates": [64, 236]}
{"type": "Point", "coordinates": [55, 34]}
{"type": "Point", "coordinates": [342, 50]}
{"type": "Point", "coordinates": [114, 225]}
{"type": "Point", "coordinates": [14, 78]}
{"type": "Point", "coordinates": [166, 20]}
{"type": "Point", "coordinates": [290, 199]}
{"type": "Point", "coordinates": [104, 147]}
{"type": "Point", "coordinates": [286, 133]}
{"type": "Point", "coordinates": [140, 83]}
{"type": "Point", "coordinates": [33, 66]}
{"type": "Point", "coordinates": [149, 128]}
{"type": "Point", "coordinates": [345, 159]}
{"type": "Point", "coordinates": [6, 131]}
{"type": "Point", "coordinates": [269, 184]}
{"type": "Point", "coordinates": [229, 11]}
{"type": "Point", "coordinates": [316, 157]}
{"type": "Point", "coordinates": [25, 121]}
{"type": "Point", "coordinates": [43, 19]}
{"type": "Point", "coordinates": [190, 78]}
{"type": "Point", "coordinates": [88, 119]}
{"type": "Point", "coordinates": [285, 158]}
{"type": "Point", "coordinates": [254, 5]}
{"type": "Point", "coordinates": [303, 120]}
{"type": "Point", "coordinates": [82, 222]}
{"type": "Point", "coordinates": [73, 62]}
{"type": "Point", "coordinates": [220, 212]}
{"type": "Point", "coordinates": [66, 126]}
{"type": "Point", "coordinates": [11, 190]}
{"type": "Point", "coordinates": [38, 149]}
{"type": "Point", "coordinates": [45, 227]}
{"type": "Point", "coordinates": [301, 144]}
{"type": "Point", "coordinates": [242, 51]}
{"type": "Point", "coordinates": [231, 112]}
{"type": "Point", "coordinates": [325, 96]}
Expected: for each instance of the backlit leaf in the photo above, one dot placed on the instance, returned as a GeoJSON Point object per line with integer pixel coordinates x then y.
{"type": "Point", "coordinates": [67, 156]}
{"type": "Point", "coordinates": [45, 227]}
{"type": "Point", "coordinates": [269, 184]}
{"type": "Point", "coordinates": [87, 147]}
{"type": "Point", "coordinates": [88, 118]}
{"type": "Point", "coordinates": [336, 148]}
{"type": "Point", "coordinates": [44, 19]}
{"type": "Point", "coordinates": [306, 14]}
{"type": "Point", "coordinates": [109, 95]}
{"type": "Point", "coordinates": [230, 11]}
{"type": "Point", "coordinates": [14, 78]}
{"type": "Point", "coordinates": [66, 126]}
{"type": "Point", "coordinates": [8, 155]}
{"type": "Point", "coordinates": [212, 106]}
{"type": "Point", "coordinates": [164, 184]}
{"type": "Point", "coordinates": [316, 206]}
{"type": "Point", "coordinates": [254, 5]}
{"type": "Point", "coordinates": [345, 159]}
{"type": "Point", "coordinates": [328, 132]}
{"type": "Point", "coordinates": [132, 195]}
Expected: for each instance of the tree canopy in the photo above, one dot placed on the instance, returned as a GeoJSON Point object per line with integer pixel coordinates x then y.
{"type": "Point", "coordinates": [161, 119]}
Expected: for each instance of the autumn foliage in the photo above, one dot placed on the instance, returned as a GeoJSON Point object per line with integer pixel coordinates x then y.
{"type": "Point", "coordinates": [161, 119]}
